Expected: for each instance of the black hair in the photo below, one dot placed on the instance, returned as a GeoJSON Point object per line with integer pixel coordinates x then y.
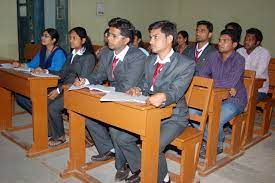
{"type": "Point", "coordinates": [81, 32]}
{"type": "Point", "coordinates": [167, 27]}
{"type": "Point", "coordinates": [184, 35]}
{"type": "Point", "coordinates": [125, 26]}
{"type": "Point", "coordinates": [257, 33]}
{"type": "Point", "coordinates": [139, 36]}
{"type": "Point", "coordinates": [236, 27]}
{"type": "Point", "coordinates": [233, 34]}
{"type": "Point", "coordinates": [208, 24]}
{"type": "Point", "coordinates": [53, 33]}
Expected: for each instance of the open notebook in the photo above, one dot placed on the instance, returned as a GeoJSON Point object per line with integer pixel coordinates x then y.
{"type": "Point", "coordinates": [101, 88]}
{"type": "Point", "coordinates": [123, 97]}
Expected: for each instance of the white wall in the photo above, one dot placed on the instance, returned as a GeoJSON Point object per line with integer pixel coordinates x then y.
{"type": "Point", "coordinates": [8, 30]}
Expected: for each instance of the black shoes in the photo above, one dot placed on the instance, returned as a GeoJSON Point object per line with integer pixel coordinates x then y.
{"type": "Point", "coordinates": [203, 150]}
{"type": "Point", "coordinates": [122, 173]}
{"type": "Point", "coordinates": [103, 157]}
{"type": "Point", "coordinates": [135, 178]}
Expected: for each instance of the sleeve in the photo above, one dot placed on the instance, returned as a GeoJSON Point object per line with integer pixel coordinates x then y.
{"type": "Point", "coordinates": [58, 61]}
{"type": "Point", "coordinates": [262, 63]}
{"type": "Point", "coordinates": [88, 66]}
{"type": "Point", "coordinates": [232, 78]}
{"type": "Point", "coordinates": [34, 63]}
{"type": "Point", "coordinates": [99, 74]}
{"type": "Point", "coordinates": [180, 84]}
{"type": "Point", "coordinates": [133, 74]}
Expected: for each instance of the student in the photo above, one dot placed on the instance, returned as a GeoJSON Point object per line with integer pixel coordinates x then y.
{"type": "Point", "coordinates": [182, 42]}
{"type": "Point", "coordinates": [167, 77]}
{"type": "Point", "coordinates": [256, 58]}
{"type": "Point", "coordinates": [98, 51]}
{"type": "Point", "coordinates": [50, 57]}
{"type": "Point", "coordinates": [238, 29]}
{"type": "Point", "coordinates": [80, 63]}
{"type": "Point", "coordinates": [202, 48]}
{"type": "Point", "coordinates": [123, 67]}
{"type": "Point", "coordinates": [138, 43]}
{"type": "Point", "coordinates": [226, 67]}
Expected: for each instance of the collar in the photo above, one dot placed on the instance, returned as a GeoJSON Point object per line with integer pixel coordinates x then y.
{"type": "Point", "coordinates": [166, 59]}
{"type": "Point", "coordinates": [122, 54]}
{"type": "Point", "coordinates": [201, 50]}
{"type": "Point", "coordinates": [79, 52]}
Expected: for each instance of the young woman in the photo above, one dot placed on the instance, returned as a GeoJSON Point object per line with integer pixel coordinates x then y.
{"type": "Point", "coordinates": [50, 56]}
{"type": "Point", "coordinates": [138, 43]}
{"type": "Point", "coordinates": [80, 63]}
{"type": "Point", "coordinates": [182, 42]}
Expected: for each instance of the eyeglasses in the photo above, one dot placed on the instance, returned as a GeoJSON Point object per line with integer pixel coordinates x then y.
{"type": "Point", "coordinates": [45, 36]}
{"type": "Point", "coordinates": [114, 36]}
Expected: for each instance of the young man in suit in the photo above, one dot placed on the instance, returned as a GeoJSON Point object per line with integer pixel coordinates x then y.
{"type": "Point", "coordinates": [202, 48]}
{"type": "Point", "coordinates": [167, 77]}
{"type": "Point", "coordinates": [123, 67]}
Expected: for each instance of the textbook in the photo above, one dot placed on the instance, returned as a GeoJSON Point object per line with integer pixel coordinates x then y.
{"type": "Point", "coordinates": [101, 88]}
{"type": "Point", "coordinates": [123, 97]}
{"type": "Point", "coordinates": [44, 75]}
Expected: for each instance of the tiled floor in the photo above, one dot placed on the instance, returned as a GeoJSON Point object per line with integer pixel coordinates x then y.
{"type": "Point", "coordinates": [256, 165]}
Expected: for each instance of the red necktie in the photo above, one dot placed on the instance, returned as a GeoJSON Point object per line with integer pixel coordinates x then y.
{"type": "Point", "coordinates": [114, 64]}
{"type": "Point", "coordinates": [156, 73]}
{"type": "Point", "coordinates": [197, 56]}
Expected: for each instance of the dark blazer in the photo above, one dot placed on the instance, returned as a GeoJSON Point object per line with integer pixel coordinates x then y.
{"type": "Point", "coordinates": [83, 65]}
{"type": "Point", "coordinates": [173, 80]}
{"type": "Point", "coordinates": [190, 52]}
{"type": "Point", "coordinates": [127, 73]}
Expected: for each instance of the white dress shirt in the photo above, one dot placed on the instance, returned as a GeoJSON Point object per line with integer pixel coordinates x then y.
{"type": "Point", "coordinates": [258, 61]}
{"type": "Point", "coordinates": [201, 49]}
{"type": "Point", "coordinates": [164, 61]}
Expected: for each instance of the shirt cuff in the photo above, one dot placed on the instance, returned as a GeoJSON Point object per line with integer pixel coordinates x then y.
{"type": "Point", "coordinates": [57, 89]}
{"type": "Point", "coordinates": [86, 82]}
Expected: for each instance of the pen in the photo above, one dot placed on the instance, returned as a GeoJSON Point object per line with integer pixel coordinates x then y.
{"type": "Point", "coordinates": [77, 76]}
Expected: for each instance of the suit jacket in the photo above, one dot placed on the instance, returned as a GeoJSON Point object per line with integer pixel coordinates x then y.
{"type": "Point", "coordinates": [83, 65]}
{"type": "Point", "coordinates": [190, 52]}
{"type": "Point", "coordinates": [173, 80]}
{"type": "Point", "coordinates": [127, 72]}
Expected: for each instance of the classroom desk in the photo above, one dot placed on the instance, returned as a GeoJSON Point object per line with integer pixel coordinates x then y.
{"type": "Point", "coordinates": [143, 120]}
{"type": "Point", "coordinates": [36, 89]}
{"type": "Point", "coordinates": [209, 164]}
{"type": "Point", "coordinates": [249, 140]}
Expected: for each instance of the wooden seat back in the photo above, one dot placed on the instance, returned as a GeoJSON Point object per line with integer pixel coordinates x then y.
{"type": "Point", "coordinates": [30, 50]}
{"type": "Point", "coordinates": [198, 97]}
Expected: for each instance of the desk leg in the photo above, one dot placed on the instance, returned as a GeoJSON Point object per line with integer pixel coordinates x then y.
{"type": "Point", "coordinates": [212, 138]}
{"type": "Point", "coordinates": [40, 121]}
{"type": "Point", "coordinates": [5, 109]}
{"type": "Point", "coordinates": [76, 144]}
{"type": "Point", "coordinates": [150, 148]}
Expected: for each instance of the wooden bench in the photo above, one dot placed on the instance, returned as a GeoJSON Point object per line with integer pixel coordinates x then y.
{"type": "Point", "coordinates": [189, 142]}
{"type": "Point", "coordinates": [239, 123]}
{"type": "Point", "coordinates": [268, 103]}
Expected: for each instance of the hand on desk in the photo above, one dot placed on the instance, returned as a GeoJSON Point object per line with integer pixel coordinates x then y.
{"type": "Point", "coordinates": [135, 91]}
{"type": "Point", "coordinates": [17, 64]}
{"type": "Point", "coordinates": [79, 81]}
{"type": "Point", "coordinates": [39, 70]}
{"type": "Point", "coordinates": [53, 94]}
{"type": "Point", "coordinates": [232, 92]}
{"type": "Point", "coordinates": [157, 99]}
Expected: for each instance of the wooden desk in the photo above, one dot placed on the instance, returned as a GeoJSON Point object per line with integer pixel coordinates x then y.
{"type": "Point", "coordinates": [249, 129]}
{"type": "Point", "coordinates": [217, 96]}
{"type": "Point", "coordinates": [36, 89]}
{"type": "Point", "coordinates": [140, 119]}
